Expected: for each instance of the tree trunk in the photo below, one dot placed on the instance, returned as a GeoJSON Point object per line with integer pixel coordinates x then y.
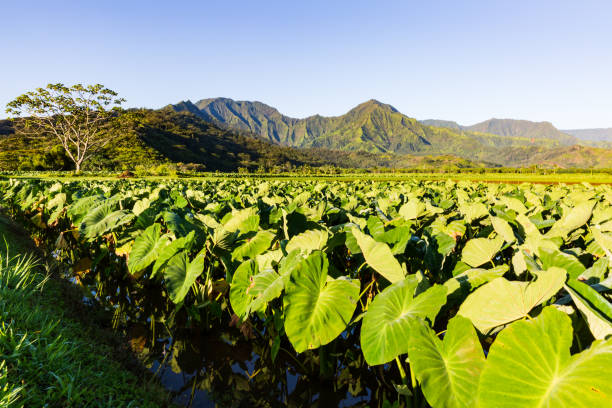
{"type": "Point", "coordinates": [78, 167]}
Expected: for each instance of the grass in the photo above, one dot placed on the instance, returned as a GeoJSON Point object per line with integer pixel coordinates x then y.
{"type": "Point", "coordinates": [50, 357]}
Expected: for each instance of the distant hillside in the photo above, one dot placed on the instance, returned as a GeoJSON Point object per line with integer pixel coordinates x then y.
{"type": "Point", "coordinates": [165, 136]}
{"type": "Point", "coordinates": [512, 128]}
{"type": "Point", "coordinates": [371, 126]}
{"type": "Point", "coordinates": [442, 123]}
{"type": "Point", "coordinates": [595, 135]}
{"type": "Point", "coordinates": [563, 157]}
{"type": "Point", "coordinates": [522, 128]}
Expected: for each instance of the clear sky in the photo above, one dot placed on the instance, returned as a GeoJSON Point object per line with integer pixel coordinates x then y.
{"type": "Point", "coordinates": [457, 60]}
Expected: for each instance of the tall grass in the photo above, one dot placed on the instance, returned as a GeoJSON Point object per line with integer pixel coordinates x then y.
{"type": "Point", "coordinates": [48, 359]}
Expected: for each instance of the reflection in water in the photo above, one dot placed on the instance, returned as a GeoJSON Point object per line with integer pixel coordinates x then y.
{"type": "Point", "coordinates": [224, 369]}
{"type": "Point", "coordinates": [206, 361]}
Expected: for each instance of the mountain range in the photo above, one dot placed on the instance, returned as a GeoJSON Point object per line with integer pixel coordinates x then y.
{"type": "Point", "coordinates": [603, 135]}
{"type": "Point", "coordinates": [378, 128]}
{"type": "Point", "coordinates": [224, 134]}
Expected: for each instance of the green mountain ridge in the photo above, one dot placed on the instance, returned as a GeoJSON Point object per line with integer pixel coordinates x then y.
{"type": "Point", "coordinates": [164, 136]}
{"type": "Point", "coordinates": [371, 126]}
{"type": "Point", "coordinates": [511, 128]}
{"type": "Point", "coordinates": [218, 136]}
{"type": "Point", "coordinates": [603, 136]}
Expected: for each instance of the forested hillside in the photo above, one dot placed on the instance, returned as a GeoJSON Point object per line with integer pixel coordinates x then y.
{"type": "Point", "coordinates": [371, 126]}
{"type": "Point", "coordinates": [156, 137]}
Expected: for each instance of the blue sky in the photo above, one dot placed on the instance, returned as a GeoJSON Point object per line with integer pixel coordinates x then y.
{"type": "Point", "coordinates": [457, 60]}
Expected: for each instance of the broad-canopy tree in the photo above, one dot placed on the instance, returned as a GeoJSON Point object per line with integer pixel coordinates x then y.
{"type": "Point", "coordinates": [81, 117]}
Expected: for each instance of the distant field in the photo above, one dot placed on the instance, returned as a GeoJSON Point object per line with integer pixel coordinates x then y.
{"type": "Point", "coordinates": [512, 178]}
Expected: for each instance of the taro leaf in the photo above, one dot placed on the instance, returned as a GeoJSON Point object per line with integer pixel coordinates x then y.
{"type": "Point", "coordinates": [268, 259]}
{"type": "Point", "coordinates": [140, 206]}
{"type": "Point", "coordinates": [386, 324]}
{"type": "Point", "coordinates": [554, 257]}
{"type": "Point", "coordinates": [597, 311]}
{"type": "Point", "coordinates": [241, 281]}
{"type": "Point", "coordinates": [596, 272]}
{"type": "Point", "coordinates": [575, 218]}
{"type": "Point", "coordinates": [533, 243]}
{"type": "Point", "coordinates": [528, 226]}
{"type": "Point", "coordinates": [398, 238]}
{"type": "Point", "coordinates": [473, 211]}
{"type": "Point", "coordinates": [503, 229]}
{"type": "Point", "coordinates": [146, 248]}
{"type": "Point", "coordinates": [170, 250]}
{"type": "Point", "coordinates": [376, 227]}
{"type": "Point", "coordinates": [103, 219]}
{"type": "Point", "coordinates": [58, 201]}
{"type": "Point", "coordinates": [478, 251]}
{"type": "Point", "coordinates": [514, 204]}
{"type": "Point", "coordinates": [529, 365]}
{"type": "Point", "coordinates": [448, 370]}
{"type": "Point", "coordinates": [177, 224]}
{"type": "Point", "coordinates": [445, 242]}
{"type": "Point", "coordinates": [254, 246]}
{"type": "Point", "coordinates": [307, 241]}
{"type": "Point", "coordinates": [82, 207]}
{"type": "Point", "coordinates": [604, 240]}
{"type": "Point", "coordinates": [473, 278]}
{"type": "Point", "coordinates": [267, 285]}
{"type": "Point", "coordinates": [379, 257]}
{"type": "Point", "coordinates": [412, 210]}
{"type": "Point", "coordinates": [180, 274]}
{"type": "Point", "coordinates": [317, 307]}
{"type": "Point", "coordinates": [501, 301]}
{"type": "Point", "coordinates": [244, 221]}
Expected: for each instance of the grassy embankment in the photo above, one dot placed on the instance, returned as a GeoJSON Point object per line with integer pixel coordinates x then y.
{"type": "Point", "coordinates": [53, 350]}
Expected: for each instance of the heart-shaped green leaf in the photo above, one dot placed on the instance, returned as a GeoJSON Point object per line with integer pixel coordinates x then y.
{"type": "Point", "coordinates": [554, 257]}
{"type": "Point", "coordinates": [169, 251]}
{"type": "Point", "coordinates": [473, 278]}
{"type": "Point", "coordinates": [379, 256]}
{"type": "Point", "coordinates": [146, 248]}
{"type": "Point", "coordinates": [503, 229]}
{"type": "Point", "coordinates": [596, 310]}
{"type": "Point", "coordinates": [479, 251]}
{"type": "Point", "coordinates": [448, 370]}
{"type": "Point", "coordinates": [386, 325]}
{"type": "Point", "coordinates": [501, 301]}
{"type": "Point", "coordinates": [529, 365]}
{"type": "Point", "coordinates": [242, 279]}
{"type": "Point", "coordinates": [253, 246]}
{"type": "Point", "coordinates": [180, 274]}
{"type": "Point", "coordinates": [317, 307]}
{"type": "Point", "coordinates": [307, 241]}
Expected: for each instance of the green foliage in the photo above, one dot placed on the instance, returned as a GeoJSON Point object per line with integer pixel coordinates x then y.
{"type": "Point", "coordinates": [448, 370]}
{"type": "Point", "coordinates": [74, 115]}
{"type": "Point", "coordinates": [300, 263]}
{"type": "Point", "coordinates": [530, 365]}
{"type": "Point", "coordinates": [317, 309]}
{"type": "Point", "coordinates": [376, 127]}
{"type": "Point", "coordinates": [386, 328]}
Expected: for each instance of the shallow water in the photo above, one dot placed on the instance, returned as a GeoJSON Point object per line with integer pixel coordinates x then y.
{"type": "Point", "coordinates": [219, 366]}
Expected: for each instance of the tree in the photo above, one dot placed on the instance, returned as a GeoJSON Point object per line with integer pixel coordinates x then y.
{"type": "Point", "coordinates": [81, 117]}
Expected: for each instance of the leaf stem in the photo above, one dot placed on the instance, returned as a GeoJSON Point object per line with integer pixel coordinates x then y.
{"type": "Point", "coordinates": [401, 370]}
